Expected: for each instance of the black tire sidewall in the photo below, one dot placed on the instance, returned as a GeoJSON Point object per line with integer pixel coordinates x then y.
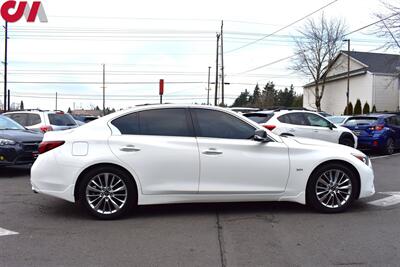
{"type": "Point", "coordinates": [128, 180]}
{"type": "Point", "coordinates": [347, 141]}
{"type": "Point", "coordinates": [386, 149]}
{"type": "Point", "coordinates": [312, 199]}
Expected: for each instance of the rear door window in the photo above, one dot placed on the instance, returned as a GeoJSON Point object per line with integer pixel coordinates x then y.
{"type": "Point", "coordinates": [165, 122]}
{"type": "Point", "coordinates": [128, 124]}
{"type": "Point", "coordinates": [61, 120]}
{"type": "Point", "coordinates": [33, 119]}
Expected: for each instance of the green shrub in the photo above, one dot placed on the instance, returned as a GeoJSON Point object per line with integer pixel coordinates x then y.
{"type": "Point", "coordinates": [366, 108]}
{"type": "Point", "coordinates": [357, 108]}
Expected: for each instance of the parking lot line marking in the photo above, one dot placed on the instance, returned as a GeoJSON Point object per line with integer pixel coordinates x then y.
{"type": "Point", "coordinates": [393, 199]}
{"type": "Point", "coordinates": [4, 232]}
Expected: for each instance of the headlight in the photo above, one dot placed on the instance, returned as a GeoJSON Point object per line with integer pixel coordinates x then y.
{"type": "Point", "coordinates": [363, 158]}
{"type": "Point", "coordinates": [6, 142]}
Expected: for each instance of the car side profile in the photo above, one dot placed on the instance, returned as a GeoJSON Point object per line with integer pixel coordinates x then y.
{"type": "Point", "coordinates": [186, 154]}
{"type": "Point", "coordinates": [303, 123]}
{"type": "Point", "coordinates": [43, 121]}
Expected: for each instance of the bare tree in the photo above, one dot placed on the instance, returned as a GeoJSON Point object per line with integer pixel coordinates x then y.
{"type": "Point", "coordinates": [319, 42]}
{"type": "Point", "coordinates": [389, 25]}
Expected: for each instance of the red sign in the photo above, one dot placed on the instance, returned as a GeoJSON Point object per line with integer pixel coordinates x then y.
{"type": "Point", "coordinates": [11, 13]}
{"type": "Point", "coordinates": [161, 87]}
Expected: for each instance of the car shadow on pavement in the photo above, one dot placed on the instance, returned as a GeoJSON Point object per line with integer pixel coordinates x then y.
{"type": "Point", "coordinates": [213, 208]}
{"type": "Point", "coordinates": [13, 172]}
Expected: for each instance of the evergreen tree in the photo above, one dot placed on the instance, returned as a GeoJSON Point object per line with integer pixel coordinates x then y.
{"type": "Point", "coordinates": [256, 100]}
{"type": "Point", "coordinates": [21, 106]}
{"type": "Point", "coordinates": [373, 109]}
{"type": "Point", "coordinates": [357, 108]}
{"type": "Point", "coordinates": [366, 108]}
{"type": "Point", "coordinates": [269, 95]}
{"type": "Point", "coordinates": [349, 109]}
{"type": "Point", "coordinates": [298, 101]}
{"type": "Point", "coordinates": [242, 99]}
{"type": "Point", "coordinates": [69, 111]}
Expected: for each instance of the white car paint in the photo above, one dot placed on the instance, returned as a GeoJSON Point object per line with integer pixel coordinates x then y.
{"type": "Point", "coordinates": [314, 132]}
{"type": "Point", "coordinates": [176, 170]}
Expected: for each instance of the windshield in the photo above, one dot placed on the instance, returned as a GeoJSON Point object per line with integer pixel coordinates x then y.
{"type": "Point", "coordinates": [9, 124]}
{"type": "Point", "coordinates": [336, 120]}
{"type": "Point", "coordinates": [259, 117]}
{"type": "Point", "coordinates": [61, 120]}
{"type": "Point", "coordinates": [361, 121]}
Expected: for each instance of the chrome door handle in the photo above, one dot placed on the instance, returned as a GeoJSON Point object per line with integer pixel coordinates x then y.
{"type": "Point", "coordinates": [316, 131]}
{"type": "Point", "coordinates": [129, 148]}
{"type": "Point", "coordinates": [292, 130]}
{"type": "Point", "coordinates": [212, 151]}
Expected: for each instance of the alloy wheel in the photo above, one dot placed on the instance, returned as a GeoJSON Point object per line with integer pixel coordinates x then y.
{"type": "Point", "coordinates": [333, 188]}
{"type": "Point", "coordinates": [106, 193]}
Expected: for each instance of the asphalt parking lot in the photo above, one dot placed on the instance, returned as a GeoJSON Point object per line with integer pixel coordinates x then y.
{"type": "Point", "coordinates": [50, 232]}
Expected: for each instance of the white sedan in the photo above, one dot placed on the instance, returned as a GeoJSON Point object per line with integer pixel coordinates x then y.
{"type": "Point", "coordinates": [183, 154]}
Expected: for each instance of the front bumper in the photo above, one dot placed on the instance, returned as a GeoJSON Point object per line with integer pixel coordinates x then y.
{"type": "Point", "coordinates": [18, 154]}
{"type": "Point", "coordinates": [367, 187]}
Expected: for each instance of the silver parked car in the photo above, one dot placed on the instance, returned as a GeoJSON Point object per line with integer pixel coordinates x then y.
{"type": "Point", "coordinates": [43, 121]}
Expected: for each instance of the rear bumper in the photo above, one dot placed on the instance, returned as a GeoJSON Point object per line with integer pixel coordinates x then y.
{"type": "Point", "coordinates": [51, 178]}
{"type": "Point", "coordinates": [371, 142]}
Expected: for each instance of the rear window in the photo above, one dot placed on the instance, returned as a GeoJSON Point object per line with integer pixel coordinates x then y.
{"type": "Point", "coordinates": [361, 121]}
{"type": "Point", "coordinates": [259, 118]}
{"type": "Point", "coordinates": [61, 120]}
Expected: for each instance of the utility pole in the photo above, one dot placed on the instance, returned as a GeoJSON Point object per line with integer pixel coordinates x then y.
{"type": "Point", "coordinates": [104, 89]}
{"type": "Point", "coordinates": [9, 97]}
{"type": "Point", "coordinates": [216, 72]}
{"type": "Point", "coordinates": [222, 65]}
{"type": "Point", "coordinates": [56, 101]}
{"type": "Point", "coordinates": [5, 66]}
{"type": "Point", "coordinates": [348, 74]}
{"type": "Point", "coordinates": [208, 87]}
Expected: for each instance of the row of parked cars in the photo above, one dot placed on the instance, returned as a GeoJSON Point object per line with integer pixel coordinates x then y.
{"type": "Point", "coordinates": [21, 132]}
{"type": "Point", "coordinates": [379, 132]}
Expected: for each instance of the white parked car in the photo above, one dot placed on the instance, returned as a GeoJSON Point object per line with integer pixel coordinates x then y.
{"type": "Point", "coordinates": [43, 120]}
{"type": "Point", "coordinates": [183, 154]}
{"type": "Point", "coordinates": [301, 123]}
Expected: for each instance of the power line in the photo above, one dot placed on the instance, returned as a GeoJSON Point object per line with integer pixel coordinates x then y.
{"type": "Point", "coordinates": [283, 28]}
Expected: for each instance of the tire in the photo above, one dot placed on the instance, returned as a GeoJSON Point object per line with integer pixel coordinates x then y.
{"type": "Point", "coordinates": [327, 195]}
{"type": "Point", "coordinates": [347, 141]}
{"type": "Point", "coordinates": [107, 193]}
{"type": "Point", "coordinates": [389, 147]}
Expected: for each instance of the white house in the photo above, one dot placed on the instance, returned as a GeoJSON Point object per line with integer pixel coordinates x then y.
{"type": "Point", "coordinates": [374, 78]}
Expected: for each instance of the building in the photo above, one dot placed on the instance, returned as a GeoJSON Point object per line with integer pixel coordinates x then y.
{"type": "Point", "coordinates": [374, 79]}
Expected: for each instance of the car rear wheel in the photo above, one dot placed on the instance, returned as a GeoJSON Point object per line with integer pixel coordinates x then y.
{"type": "Point", "coordinates": [107, 193]}
{"type": "Point", "coordinates": [332, 188]}
{"type": "Point", "coordinates": [389, 147]}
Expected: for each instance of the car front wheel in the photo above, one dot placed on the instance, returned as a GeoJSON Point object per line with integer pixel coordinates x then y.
{"type": "Point", "coordinates": [107, 193]}
{"type": "Point", "coordinates": [332, 188]}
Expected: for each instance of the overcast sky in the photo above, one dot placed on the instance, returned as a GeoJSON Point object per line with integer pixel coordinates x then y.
{"type": "Point", "coordinates": [144, 41]}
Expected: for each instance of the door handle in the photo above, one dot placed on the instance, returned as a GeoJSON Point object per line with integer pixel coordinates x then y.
{"type": "Point", "coordinates": [316, 131]}
{"type": "Point", "coordinates": [129, 148]}
{"type": "Point", "coordinates": [292, 130]}
{"type": "Point", "coordinates": [212, 151]}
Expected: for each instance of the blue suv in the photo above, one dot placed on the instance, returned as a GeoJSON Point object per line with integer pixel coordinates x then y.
{"type": "Point", "coordinates": [376, 131]}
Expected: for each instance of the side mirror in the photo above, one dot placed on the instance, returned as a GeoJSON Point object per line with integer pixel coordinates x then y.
{"type": "Point", "coordinates": [261, 136]}
{"type": "Point", "coordinates": [332, 126]}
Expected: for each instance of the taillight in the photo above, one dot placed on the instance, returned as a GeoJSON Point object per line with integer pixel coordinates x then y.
{"type": "Point", "coordinates": [269, 127]}
{"type": "Point", "coordinates": [49, 145]}
{"type": "Point", "coordinates": [46, 128]}
{"type": "Point", "coordinates": [377, 128]}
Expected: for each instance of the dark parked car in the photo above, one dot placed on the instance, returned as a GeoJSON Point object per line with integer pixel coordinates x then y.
{"type": "Point", "coordinates": [18, 145]}
{"type": "Point", "coordinates": [376, 131]}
